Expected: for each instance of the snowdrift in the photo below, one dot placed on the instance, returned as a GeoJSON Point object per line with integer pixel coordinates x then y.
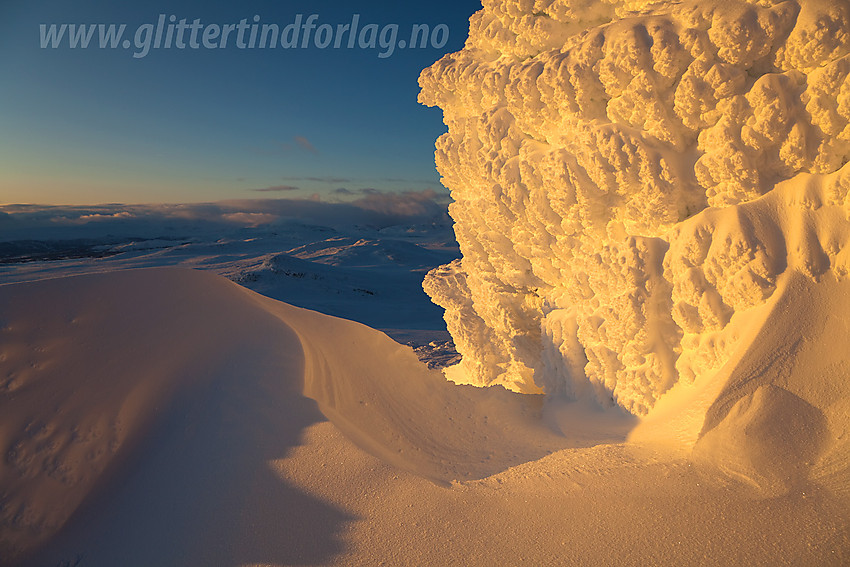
{"type": "Point", "coordinates": [100, 372]}
{"type": "Point", "coordinates": [171, 417]}
{"type": "Point", "coordinates": [632, 178]}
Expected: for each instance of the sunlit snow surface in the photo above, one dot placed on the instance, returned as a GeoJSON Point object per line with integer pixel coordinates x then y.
{"type": "Point", "coordinates": [629, 178]}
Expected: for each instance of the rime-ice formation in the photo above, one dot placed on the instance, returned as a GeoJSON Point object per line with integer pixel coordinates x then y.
{"type": "Point", "coordinates": [628, 175]}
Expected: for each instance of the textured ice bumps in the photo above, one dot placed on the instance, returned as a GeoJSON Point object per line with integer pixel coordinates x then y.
{"type": "Point", "coordinates": [601, 156]}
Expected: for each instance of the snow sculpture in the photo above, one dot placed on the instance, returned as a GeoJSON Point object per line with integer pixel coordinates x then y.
{"type": "Point", "coordinates": [619, 171]}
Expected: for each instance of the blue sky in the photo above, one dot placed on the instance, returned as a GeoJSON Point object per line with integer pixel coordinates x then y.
{"type": "Point", "coordinates": [84, 126]}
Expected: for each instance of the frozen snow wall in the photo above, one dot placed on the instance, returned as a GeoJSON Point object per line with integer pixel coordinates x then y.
{"type": "Point", "coordinates": [609, 162]}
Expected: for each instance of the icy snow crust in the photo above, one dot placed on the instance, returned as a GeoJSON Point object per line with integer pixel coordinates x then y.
{"type": "Point", "coordinates": [627, 176]}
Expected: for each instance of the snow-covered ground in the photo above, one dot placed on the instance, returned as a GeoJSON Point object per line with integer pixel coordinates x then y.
{"type": "Point", "coordinates": [171, 417]}
{"type": "Point", "coordinates": [342, 260]}
{"type": "Point", "coordinates": [159, 415]}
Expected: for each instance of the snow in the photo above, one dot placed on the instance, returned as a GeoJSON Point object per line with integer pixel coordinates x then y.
{"type": "Point", "coordinates": [187, 420]}
{"type": "Point", "coordinates": [652, 202]}
{"type": "Point", "coordinates": [616, 169]}
{"type": "Point", "coordinates": [339, 259]}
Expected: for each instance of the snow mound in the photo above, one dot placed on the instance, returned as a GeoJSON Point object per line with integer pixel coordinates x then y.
{"type": "Point", "coordinates": [628, 177]}
{"type": "Point", "coordinates": [782, 415]}
{"type": "Point", "coordinates": [180, 386]}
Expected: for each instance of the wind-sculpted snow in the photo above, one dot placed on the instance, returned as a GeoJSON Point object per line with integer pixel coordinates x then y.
{"type": "Point", "coordinates": [613, 167]}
